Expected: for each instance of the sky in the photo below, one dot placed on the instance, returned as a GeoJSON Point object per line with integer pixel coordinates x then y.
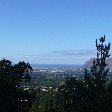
{"type": "Point", "coordinates": [53, 31]}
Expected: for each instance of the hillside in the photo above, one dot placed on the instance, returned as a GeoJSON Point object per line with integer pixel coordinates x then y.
{"type": "Point", "coordinates": [89, 63]}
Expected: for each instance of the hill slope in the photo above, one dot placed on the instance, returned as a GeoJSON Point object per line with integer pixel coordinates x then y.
{"type": "Point", "coordinates": [89, 63]}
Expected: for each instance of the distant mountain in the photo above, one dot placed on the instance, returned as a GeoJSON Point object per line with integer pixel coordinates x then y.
{"type": "Point", "coordinates": [89, 63]}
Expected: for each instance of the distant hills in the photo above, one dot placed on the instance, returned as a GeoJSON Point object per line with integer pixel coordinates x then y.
{"type": "Point", "coordinates": [89, 63]}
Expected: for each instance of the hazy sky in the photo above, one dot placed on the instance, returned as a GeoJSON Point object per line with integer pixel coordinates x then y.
{"type": "Point", "coordinates": [53, 31]}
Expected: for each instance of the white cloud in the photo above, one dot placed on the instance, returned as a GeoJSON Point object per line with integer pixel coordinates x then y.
{"type": "Point", "coordinates": [57, 57]}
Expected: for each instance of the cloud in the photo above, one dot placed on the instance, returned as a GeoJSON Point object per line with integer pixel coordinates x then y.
{"type": "Point", "coordinates": [64, 54]}
{"type": "Point", "coordinates": [89, 52]}
{"type": "Point", "coordinates": [50, 55]}
{"type": "Point", "coordinates": [58, 57]}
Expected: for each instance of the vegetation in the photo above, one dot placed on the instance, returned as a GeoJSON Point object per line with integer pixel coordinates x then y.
{"type": "Point", "coordinates": [93, 93]}
{"type": "Point", "coordinates": [12, 97]}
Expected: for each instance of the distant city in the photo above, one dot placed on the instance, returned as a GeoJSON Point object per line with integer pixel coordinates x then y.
{"type": "Point", "coordinates": [50, 76]}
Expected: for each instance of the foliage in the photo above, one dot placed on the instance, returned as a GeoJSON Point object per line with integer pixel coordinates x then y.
{"type": "Point", "coordinates": [12, 97]}
{"type": "Point", "coordinates": [93, 93]}
{"type": "Point", "coordinates": [45, 102]}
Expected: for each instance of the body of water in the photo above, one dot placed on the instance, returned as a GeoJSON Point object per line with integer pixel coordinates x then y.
{"type": "Point", "coordinates": [56, 65]}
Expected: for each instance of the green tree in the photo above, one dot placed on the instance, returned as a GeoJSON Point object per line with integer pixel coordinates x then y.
{"type": "Point", "coordinates": [96, 80]}
{"type": "Point", "coordinates": [71, 95]}
{"type": "Point", "coordinates": [12, 97]}
{"type": "Point", "coordinates": [93, 92]}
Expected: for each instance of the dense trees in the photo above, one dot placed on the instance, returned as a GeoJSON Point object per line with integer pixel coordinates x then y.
{"type": "Point", "coordinates": [12, 97]}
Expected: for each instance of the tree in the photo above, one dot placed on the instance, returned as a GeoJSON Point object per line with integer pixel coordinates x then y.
{"type": "Point", "coordinates": [93, 92]}
{"type": "Point", "coordinates": [96, 80]}
{"type": "Point", "coordinates": [72, 95]}
{"type": "Point", "coordinates": [11, 95]}
{"type": "Point", "coordinates": [98, 70]}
